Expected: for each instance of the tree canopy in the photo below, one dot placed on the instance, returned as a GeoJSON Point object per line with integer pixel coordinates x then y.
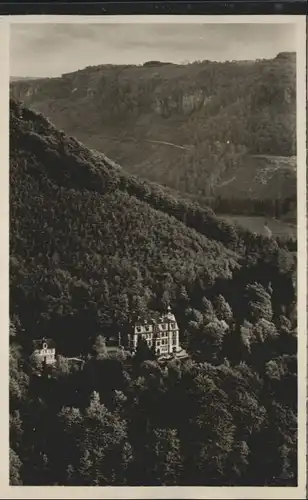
{"type": "Point", "coordinates": [92, 248]}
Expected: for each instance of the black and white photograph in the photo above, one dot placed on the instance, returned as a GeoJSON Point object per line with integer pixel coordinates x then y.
{"type": "Point", "coordinates": [154, 332]}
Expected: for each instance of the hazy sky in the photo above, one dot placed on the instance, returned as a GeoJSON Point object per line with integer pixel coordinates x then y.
{"type": "Point", "coordinates": [53, 49]}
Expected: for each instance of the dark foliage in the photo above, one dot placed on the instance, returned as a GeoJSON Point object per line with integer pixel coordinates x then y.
{"type": "Point", "coordinates": [90, 249]}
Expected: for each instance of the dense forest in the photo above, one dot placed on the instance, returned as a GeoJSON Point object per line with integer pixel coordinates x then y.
{"type": "Point", "coordinates": [203, 129]}
{"type": "Point", "coordinates": [91, 248]}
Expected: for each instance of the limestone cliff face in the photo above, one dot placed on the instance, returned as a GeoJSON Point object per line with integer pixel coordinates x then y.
{"type": "Point", "coordinates": [191, 102]}
{"type": "Point", "coordinates": [165, 89]}
{"type": "Point", "coordinates": [31, 91]}
{"type": "Point", "coordinates": [185, 103]}
{"type": "Point", "coordinates": [163, 102]}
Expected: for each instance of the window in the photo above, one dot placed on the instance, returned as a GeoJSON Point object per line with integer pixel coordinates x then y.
{"type": "Point", "coordinates": [174, 338]}
{"type": "Point", "coordinates": [138, 329]}
{"type": "Point", "coordinates": [173, 326]}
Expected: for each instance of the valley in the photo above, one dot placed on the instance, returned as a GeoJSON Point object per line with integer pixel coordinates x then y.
{"type": "Point", "coordinates": [207, 130]}
{"type": "Point", "coordinates": [255, 224]}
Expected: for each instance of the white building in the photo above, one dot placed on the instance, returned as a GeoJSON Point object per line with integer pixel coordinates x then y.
{"type": "Point", "coordinates": [161, 333]}
{"type": "Point", "coordinates": [45, 351]}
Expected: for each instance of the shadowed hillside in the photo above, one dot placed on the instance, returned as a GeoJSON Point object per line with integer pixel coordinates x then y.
{"type": "Point", "coordinates": [197, 128]}
{"type": "Point", "coordinates": [91, 249]}
{"type": "Point", "coordinates": [83, 209]}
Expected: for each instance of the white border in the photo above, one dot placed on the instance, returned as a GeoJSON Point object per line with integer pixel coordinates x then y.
{"type": "Point", "coordinates": [156, 492]}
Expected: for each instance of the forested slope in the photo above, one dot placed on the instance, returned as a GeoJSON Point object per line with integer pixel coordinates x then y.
{"type": "Point", "coordinates": [92, 247]}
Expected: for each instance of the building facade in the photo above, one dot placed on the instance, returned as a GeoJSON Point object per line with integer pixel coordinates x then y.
{"type": "Point", "coordinates": [161, 334]}
{"type": "Point", "coordinates": [45, 351]}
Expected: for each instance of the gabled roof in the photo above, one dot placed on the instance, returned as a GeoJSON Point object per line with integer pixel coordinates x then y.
{"type": "Point", "coordinates": [156, 319]}
{"type": "Point", "coordinates": [167, 318]}
{"type": "Point", "coordinates": [38, 344]}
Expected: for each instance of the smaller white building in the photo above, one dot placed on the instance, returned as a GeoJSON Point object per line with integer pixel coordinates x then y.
{"type": "Point", "coordinates": [45, 351]}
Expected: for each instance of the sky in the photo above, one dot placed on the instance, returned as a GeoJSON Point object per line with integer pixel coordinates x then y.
{"type": "Point", "coordinates": [47, 50]}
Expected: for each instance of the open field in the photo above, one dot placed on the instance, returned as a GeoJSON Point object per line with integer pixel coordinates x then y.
{"type": "Point", "coordinates": [256, 224]}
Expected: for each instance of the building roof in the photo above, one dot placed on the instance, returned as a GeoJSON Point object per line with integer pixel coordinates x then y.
{"type": "Point", "coordinates": [38, 344]}
{"type": "Point", "coordinates": [167, 317]}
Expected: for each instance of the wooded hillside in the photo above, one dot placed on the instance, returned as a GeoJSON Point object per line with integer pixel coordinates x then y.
{"type": "Point", "coordinates": [91, 247]}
